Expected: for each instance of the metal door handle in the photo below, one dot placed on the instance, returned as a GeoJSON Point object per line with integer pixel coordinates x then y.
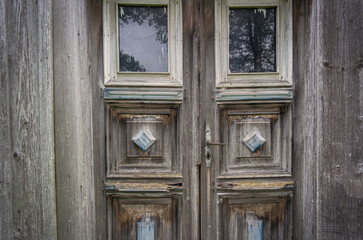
{"type": "Point", "coordinates": [208, 153]}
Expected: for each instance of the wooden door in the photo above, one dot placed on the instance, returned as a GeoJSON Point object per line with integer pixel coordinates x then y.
{"type": "Point", "coordinates": [247, 90]}
{"type": "Point", "coordinates": [193, 150]}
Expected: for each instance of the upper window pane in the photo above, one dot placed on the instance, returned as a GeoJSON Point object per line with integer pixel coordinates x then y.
{"type": "Point", "coordinates": [143, 39]}
{"type": "Point", "coordinates": [252, 40]}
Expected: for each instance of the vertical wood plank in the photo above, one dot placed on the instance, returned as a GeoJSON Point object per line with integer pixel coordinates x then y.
{"type": "Point", "coordinates": [75, 68]}
{"type": "Point", "coordinates": [95, 52]}
{"type": "Point", "coordinates": [304, 119]}
{"type": "Point", "coordinates": [6, 208]}
{"type": "Point", "coordinates": [328, 120]}
{"type": "Point", "coordinates": [27, 181]}
{"type": "Point", "coordinates": [341, 114]}
{"type": "Point", "coordinates": [189, 129]}
{"type": "Point", "coordinates": [210, 119]}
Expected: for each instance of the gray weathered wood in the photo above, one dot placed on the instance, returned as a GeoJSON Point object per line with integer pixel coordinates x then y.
{"type": "Point", "coordinates": [190, 129]}
{"type": "Point", "coordinates": [327, 122]}
{"type": "Point", "coordinates": [79, 123]}
{"type": "Point", "coordinates": [328, 132]}
{"type": "Point", "coordinates": [95, 52]}
{"type": "Point", "coordinates": [304, 119]}
{"type": "Point", "coordinates": [27, 178]}
{"type": "Point", "coordinates": [340, 107]}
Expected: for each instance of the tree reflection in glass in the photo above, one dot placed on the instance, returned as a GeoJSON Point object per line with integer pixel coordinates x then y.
{"type": "Point", "coordinates": [252, 40]}
{"type": "Point", "coordinates": [143, 39]}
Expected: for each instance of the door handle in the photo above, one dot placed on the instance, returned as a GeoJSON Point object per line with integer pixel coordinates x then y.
{"type": "Point", "coordinates": [208, 153]}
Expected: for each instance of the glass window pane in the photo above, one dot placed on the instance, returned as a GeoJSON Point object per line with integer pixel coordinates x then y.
{"type": "Point", "coordinates": [252, 40]}
{"type": "Point", "coordinates": [143, 35]}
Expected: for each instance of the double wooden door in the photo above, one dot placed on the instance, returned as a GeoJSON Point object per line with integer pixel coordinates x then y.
{"type": "Point", "coordinates": [209, 159]}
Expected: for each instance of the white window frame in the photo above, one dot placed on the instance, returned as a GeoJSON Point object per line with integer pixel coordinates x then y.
{"type": "Point", "coordinates": [114, 77]}
{"type": "Point", "coordinates": [283, 75]}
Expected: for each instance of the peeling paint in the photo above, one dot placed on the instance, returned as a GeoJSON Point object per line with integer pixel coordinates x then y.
{"type": "Point", "coordinates": [145, 175]}
{"type": "Point", "coordinates": [262, 10]}
{"type": "Point", "coordinates": [141, 187]}
{"type": "Point", "coordinates": [255, 185]}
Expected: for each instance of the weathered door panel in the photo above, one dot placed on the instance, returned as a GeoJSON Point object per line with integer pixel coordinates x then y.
{"type": "Point", "coordinates": [247, 188]}
{"type": "Point", "coordinates": [151, 182]}
{"type": "Point", "coordinates": [141, 142]}
{"type": "Point", "coordinates": [144, 183]}
{"type": "Point", "coordinates": [209, 159]}
{"type": "Point", "coordinates": [137, 219]}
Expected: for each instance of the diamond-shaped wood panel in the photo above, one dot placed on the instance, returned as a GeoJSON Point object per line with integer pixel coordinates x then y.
{"type": "Point", "coordinates": [257, 141]}
{"type": "Point", "coordinates": [144, 139]}
{"type": "Point", "coordinates": [254, 140]}
{"type": "Point", "coordinates": [141, 142]}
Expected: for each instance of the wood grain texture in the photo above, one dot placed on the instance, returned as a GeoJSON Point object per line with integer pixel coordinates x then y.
{"type": "Point", "coordinates": [327, 120]}
{"type": "Point", "coordinates": [190, 129]}
{"type": "Point", "coordinates": [95, 51]}
{"type": "Point", "coordinates": [341, 120]}
{"type": "Point", "coordinates": [78, 122]}
{"type": "Point", "coordinates": [209, 120]}
{"type": "Point", "coordinates": [305, 119]}
{"type": "Point", "coordinates": [27, 176]}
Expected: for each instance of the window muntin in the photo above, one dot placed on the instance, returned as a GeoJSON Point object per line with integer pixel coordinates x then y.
{"type": "Point", "coordinates": [143, 38]}
{"type": "Point", "coordinates": [252, 40]}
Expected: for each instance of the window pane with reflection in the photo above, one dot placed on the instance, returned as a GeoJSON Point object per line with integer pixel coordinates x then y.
{"type": "Point", "coordinates": [252, 40]}
{"type": "Point", "coordinates": [143, 39]}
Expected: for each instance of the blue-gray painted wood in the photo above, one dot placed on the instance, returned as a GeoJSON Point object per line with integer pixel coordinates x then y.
{"type": "Point", "coordinates": [254, 227]}
{"type": "Point", "coordinates": [145, 230]}
{"type": "Point", "coordinates": [165, 94]}
{"type": "Point", "coordinates": [285, 94]}
{"type": "Point", "coordinates": [144, 140]}
{"type": "Point", "coordinates": [254, 140]}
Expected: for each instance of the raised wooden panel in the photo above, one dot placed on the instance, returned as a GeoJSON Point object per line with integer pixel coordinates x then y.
{"type": "Point", "coordinates": [137, 128]}
{"type": "Point", "coordinates": [240, 154]}
{"type": "Point", "coordinates": [254, 219]}
{"type": "Point", "coordinates": [141, 141]}
{"type": "Point", "coordinates": [138, 219]}
{"type": "Point", "coordinates": [257, 141]}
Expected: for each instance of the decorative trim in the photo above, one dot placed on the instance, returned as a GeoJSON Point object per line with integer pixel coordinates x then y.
{"type": "Point", "coordinates": [257, 185]}
{"type": "Point", "coordinates": [144, 140]}
{"type": "Point", "coordinates": [115, 187]}
{"type": "Point", "coordinates": [143, 94]}
{"type": "Point", "coordinates": [279, 94]}
{"type": "Point", "coordinates": [253, 140]}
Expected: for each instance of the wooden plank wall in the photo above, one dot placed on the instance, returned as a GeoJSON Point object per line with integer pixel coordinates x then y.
{"type": "Point", "coordinates": [327, 122]}
{"type": "Point", "coordinates": [27, 175]}
{"type": "Point", "coordinates": [328, 110]}
{"type": "Point", "coordinates": [79, 119]}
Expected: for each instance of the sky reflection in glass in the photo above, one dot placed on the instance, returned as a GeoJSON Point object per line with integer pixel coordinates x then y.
{"type": "Point", "coordinates": [143, 39]}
